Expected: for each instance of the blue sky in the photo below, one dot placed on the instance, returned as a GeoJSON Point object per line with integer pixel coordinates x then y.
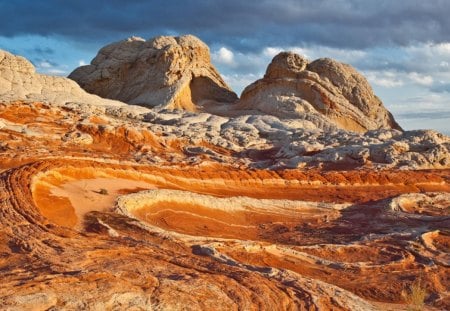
{"type": "Point", "coordinates": [402, 47]}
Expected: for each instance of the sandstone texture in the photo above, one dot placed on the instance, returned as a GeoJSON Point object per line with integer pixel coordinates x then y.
{"type": "Point", "coordinates": [325, 92]}
{"type": "Point", "coordinates": [109, 206]}
{"type": "Point", "coordinates": [19, 81]}
{"type": "Point", "coordinates": [168, 72]}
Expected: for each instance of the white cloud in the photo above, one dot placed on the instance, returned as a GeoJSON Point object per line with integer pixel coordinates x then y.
{"type": "Point", "coordinates": [47, 67]}
{"type": "Point", "coordinates": [387, 79]}
{"type": "Point", "coordinates": [224, 56]}
{"type": "Point", "coordinates": [238, 82]}
{"type": "Point", "coordinates": [81, 62]}
{"type": "Point", "coordinates": [395, 79]}
{"type": "Point", "coordinates": [45, 64]}
{"type": "Point", "coordinates": [442, 48]}
{"type": "Point", "coordinates": [421, 79]}
{"type": "Point", "coordinates": [55, 71]}
{"type": "Point", "coordinates": [271, 51]}
{"type": "Point", "coordinates": [342, 55]}
{"type": "Point", "coordinates": [315, 52]}
{"type": "Point", "coordinates": [420, 102]}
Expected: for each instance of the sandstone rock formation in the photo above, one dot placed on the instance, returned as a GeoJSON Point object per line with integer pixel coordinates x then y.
{"type": "Point", "coordinates": [176, 73]}
{"type": "Point", "coordinates": [275, 240]}
{"type": "Point", "coordinates": [324, 92]}
{"type": "Point", "coordinates": [169, 72]}
{"type": "Point", "coordinates": [19, 81]}
{"type": "Point", "coordinates": [269, 142]}
{"type": "Point", "coordinates": [113, 207]}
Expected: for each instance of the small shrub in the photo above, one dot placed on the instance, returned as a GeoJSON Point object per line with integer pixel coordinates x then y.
{"type": "Point", "coordinates": [103, 191]}
{"type": "Point", "coordinates": [415, 296]}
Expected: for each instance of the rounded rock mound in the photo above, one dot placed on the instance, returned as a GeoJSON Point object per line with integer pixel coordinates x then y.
{"type": "Point", "coordinates": [286, 65]}
{"type": "Point", "coordinates": [20, 82]}
{"type": "Point", "coordinates": [325, 92]}
{"type": "Point", "coordinates": [168, 72]}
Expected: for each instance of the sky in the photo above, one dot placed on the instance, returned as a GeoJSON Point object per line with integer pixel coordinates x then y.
{"type": "Point", "coordinates": [402, 47]}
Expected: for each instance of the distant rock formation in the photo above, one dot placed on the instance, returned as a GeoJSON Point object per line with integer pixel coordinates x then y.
{"type": "Point", "coordinates": [176, 73]}
{"type": "Point", "coordinates": [324, 92]}
{"type": "Point", "coordinates": [19, 81]}
{"type": "Point", "coordinates": [169, 72]}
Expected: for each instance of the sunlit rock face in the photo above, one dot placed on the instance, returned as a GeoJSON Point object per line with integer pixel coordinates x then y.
{"type": "Point", "coordinates": [106, 205]}
{"type": "Point", "coordinates": [19, 81]}
{"type": "Point", "coordinates": [325, 92]}
{"type": "Point", "coordinates": [169, 72]}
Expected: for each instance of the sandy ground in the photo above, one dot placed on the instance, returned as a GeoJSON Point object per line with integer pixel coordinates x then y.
{"type": "Point", "coordinates": [85, 194]}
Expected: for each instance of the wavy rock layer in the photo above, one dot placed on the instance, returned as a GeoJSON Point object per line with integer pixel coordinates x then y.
{"type": "Point", "coordinates": [78, 232]}
{"type": "Point", "coordinates": [311, 256]}
{"type": "Point", "coordinates": [169, 72]}
{"type": "Point", "coordinates": [106, 206]}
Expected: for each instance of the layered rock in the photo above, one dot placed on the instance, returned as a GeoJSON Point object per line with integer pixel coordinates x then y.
{"type": "Point", "coordinates": [260, 246]}
{"type": "Point", "coordinates": [123, 208]}
{"type": "Point", "coordinates": [169, 72]}
{"type": "Point", "coordinates": [19, 81]}
{"type": "Point", "coordinates": [325, 92]}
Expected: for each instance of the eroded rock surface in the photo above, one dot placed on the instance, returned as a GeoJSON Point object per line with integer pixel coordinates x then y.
{"type": "Point", "coordinates": [325, 92]}
{"type": "Point", "coordinates": [19, 81]}
{"type": "Point", "coordinates": [169, 72]}
{"type": "Point", "coordinates": [109, 206]}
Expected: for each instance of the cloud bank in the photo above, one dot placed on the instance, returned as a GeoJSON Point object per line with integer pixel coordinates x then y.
{"type": "Point", "coordinates": [242, 25]}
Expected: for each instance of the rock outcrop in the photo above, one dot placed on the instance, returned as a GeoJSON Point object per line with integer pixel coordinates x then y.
{"type": "Point", "coordinates": [325, 92]}
{"type": "Point", "coordinates": [169, 72]}
{"type": "Point", "coordinates": [107, 207]}
{"type": "Point", "coordinates": [19, 81]}
{"type": "Point", "coordinates": [176, 73]}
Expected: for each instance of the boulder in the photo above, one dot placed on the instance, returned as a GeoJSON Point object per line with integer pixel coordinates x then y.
{"type": "Point", "coordinates": [20, 82]}
{"type": "Point", "coordinates": [168, 72]}
{"type": "Point", "coordinates": [327, 93]}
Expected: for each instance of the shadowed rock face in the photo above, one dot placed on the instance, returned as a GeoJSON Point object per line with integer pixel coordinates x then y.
{"type": "Point", "coordinates": [169, 72]}
{"type": "Point", "coordinates": [326, 92]}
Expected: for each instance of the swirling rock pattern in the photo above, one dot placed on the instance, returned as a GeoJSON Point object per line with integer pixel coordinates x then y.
{"type": "Point", "coordinates": [274, 240]}
{"type": "Point", "coordinates": [107, 207]}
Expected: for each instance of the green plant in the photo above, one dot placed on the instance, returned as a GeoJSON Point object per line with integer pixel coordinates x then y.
{"type": "Point", "coordinates": [415, 296]}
